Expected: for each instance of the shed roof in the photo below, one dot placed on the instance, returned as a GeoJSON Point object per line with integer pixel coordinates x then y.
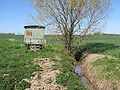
{"type": "Point", "coordinates": [34, 26]}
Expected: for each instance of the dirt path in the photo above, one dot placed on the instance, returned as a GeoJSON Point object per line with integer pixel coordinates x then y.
{"type": "Point", "coordinates": [46, 79]}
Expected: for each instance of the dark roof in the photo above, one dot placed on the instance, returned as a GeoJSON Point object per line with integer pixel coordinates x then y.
{"type": "Point", "coordinates": [34, 26]}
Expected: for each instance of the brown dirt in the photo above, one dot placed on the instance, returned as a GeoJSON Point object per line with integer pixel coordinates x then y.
{"type": "Point", "coordinates": [96, 82]}
{"type": "Point", "coordinates": [46, 79]}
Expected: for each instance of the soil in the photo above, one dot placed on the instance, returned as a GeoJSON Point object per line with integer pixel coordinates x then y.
{"type": "Point", "coordinates": [45, 79]}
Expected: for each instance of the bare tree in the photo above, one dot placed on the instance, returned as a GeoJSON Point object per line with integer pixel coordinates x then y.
{"type": "Point", "coordinates": [73, 19]}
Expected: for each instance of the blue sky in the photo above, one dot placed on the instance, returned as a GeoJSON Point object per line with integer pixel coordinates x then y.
{"type": "Point", "coordinates": [14, 14]}
{"type": "Point", "coordinates": [113, 25]}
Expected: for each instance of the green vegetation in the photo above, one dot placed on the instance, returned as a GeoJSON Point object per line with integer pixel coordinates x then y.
{"type": "Point", "coordinates": [110, 68]}
{"type": "Point", "coordinates": [109, 45]}
{"type": "Point", "coordinates": [67, 77]}
{"type": "Point", "coordinates": [17, 64]}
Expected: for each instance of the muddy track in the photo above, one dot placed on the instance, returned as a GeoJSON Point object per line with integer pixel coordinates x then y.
{"type": "Point", "coordinates": [45, 79]}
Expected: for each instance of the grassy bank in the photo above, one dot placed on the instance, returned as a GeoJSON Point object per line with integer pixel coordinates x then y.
{"type": "Point", "coordinates": [106, 71]}
{"type": "Point", "coordinates": [67, 76]}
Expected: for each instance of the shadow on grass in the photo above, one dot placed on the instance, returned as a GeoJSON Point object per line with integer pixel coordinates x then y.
{"type": "Point", "coordinates": [97, 47]}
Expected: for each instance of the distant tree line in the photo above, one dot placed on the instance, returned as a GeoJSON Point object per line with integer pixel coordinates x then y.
{"type": "Point", "coordinates": [7, 33]}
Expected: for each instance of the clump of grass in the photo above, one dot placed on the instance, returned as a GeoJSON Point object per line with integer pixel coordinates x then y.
{"type": "Point", "coordinates": [22, 85]}
{"type": "Point", "coordinates": [110, 68]}
{"type": "Point", "coordinates": [55, 67]}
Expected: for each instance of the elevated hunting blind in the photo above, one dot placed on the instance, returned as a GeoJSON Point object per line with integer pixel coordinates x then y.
{"type": "Point", "coordinates": [34, 37]}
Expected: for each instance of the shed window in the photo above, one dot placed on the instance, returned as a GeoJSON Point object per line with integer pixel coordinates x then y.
{"type": "Point", "coordinates": [28, 33]}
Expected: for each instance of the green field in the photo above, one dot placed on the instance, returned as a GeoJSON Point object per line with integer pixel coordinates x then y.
{"type": "Point", "coordinates": [16, 63]}
{"type": "Point", "coordinates": [109, 45]}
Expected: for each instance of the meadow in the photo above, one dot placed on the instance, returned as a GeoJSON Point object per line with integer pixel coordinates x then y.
{"type": "Point", "coordinates": [16, 63]}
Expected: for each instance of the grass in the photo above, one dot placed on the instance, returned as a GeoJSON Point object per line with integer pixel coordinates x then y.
{"type": "Point", "coordinates": [110, 46]}
{"type": "Point", "coordinates": [16, 63]}
{"type": "Point", "coordinates": [67, 77]}
{"type": "Point", "coordinates": [109, 68]}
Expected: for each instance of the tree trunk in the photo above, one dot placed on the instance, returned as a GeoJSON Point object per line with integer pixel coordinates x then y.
{"type": "Point", "coordinates": [68, 45]}
{"type": "Point", "coordinates": [69, 40]}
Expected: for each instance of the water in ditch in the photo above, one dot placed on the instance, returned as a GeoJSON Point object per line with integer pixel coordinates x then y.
{"type": "Point", "coordinates": [80, 73]}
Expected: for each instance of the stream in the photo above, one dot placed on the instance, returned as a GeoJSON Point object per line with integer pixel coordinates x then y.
{"type": "Point", "coordinates": [80, 73]}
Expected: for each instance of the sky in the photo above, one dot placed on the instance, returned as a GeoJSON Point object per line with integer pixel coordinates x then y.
{"type": "Point", "coordinates": [113, 24]}
{"type": "Point", "coordinates": [14, 14]}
